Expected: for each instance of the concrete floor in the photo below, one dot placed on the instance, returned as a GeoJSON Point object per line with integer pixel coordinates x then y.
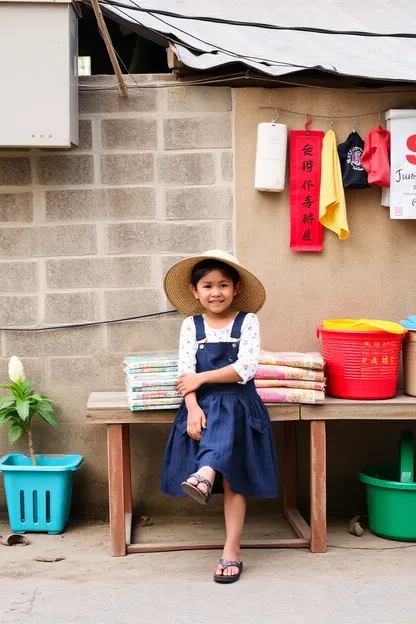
{"type": "Point", "coordinates": [358, 581]}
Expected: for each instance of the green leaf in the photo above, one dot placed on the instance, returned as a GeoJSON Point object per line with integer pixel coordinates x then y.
{"type": "Point", "coordinates": [16, 420]}
{"type": "Point", "coordinates": [15, 432]}
{"type": "Point", "coordinates": [3, 386]}
{"type": "Point", "coordinates": [17, 390]}
{"type": "Point", "coordinates": [8, 409]}
{"type": "Point", "coordinates": [46, 412]}
{"type": "Point", "coordinates": [45, 398]}
{"type": "Point", "coordinates": [7, 399]}
{"type": "Point", "coordinates": [28, 384]}
{"type": "Point", "coordinates": [8, 413]}
{"type": "Point", "coordinates": [22, 408]}
{"type": "Point", "coordinates": [36, 397]}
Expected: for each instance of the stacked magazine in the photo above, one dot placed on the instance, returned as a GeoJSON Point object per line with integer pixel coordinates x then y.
{"type": "Point", "coordinates": [151, 381]}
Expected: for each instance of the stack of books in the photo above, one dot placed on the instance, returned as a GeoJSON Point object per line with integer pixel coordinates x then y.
{"type": "Point", "coordinates": [151, 381]}
{"type": "Point", "coordinates": [286, 377]}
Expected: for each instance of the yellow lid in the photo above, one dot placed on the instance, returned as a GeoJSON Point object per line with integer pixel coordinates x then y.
{"type": "Point", "coordinates": [363, 325]}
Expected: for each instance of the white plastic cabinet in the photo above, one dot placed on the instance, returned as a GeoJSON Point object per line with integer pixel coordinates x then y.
{"type": "Point", "coordinates": [38, 74]}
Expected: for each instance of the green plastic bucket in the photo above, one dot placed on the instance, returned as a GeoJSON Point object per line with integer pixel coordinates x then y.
{"type": "Point", "coordinates": [391, 495]}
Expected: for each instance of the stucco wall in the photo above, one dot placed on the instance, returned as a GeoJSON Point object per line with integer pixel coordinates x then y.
{"type": "Point", "coordinates": [371, 274]}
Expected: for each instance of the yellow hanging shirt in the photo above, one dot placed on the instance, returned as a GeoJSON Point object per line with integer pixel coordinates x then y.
{"type": "Point", "coordinates": [332, 207]}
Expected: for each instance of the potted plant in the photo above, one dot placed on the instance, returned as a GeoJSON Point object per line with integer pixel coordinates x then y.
{"type": "Point", "coordinates": [38, 487]}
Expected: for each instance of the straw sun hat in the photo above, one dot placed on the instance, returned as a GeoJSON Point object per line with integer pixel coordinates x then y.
{"type": "Point", "coordinates": [178, 290]}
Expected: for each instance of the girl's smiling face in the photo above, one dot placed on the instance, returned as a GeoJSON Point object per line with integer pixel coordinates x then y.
{"type": "Point", "coordinates": [215, 291]}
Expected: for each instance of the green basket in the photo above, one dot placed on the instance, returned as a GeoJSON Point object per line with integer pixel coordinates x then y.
{"type": "Point", "coordinates": [391, 494]}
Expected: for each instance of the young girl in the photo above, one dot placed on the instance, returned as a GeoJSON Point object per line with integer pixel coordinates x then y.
{"type": "Point", "coordinates": [222, 431]}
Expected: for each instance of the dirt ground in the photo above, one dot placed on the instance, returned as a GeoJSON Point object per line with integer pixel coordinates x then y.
{"type": "Point", "coordinates": [364, 579]}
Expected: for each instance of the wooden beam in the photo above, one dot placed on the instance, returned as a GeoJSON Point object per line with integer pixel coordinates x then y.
{"type": "Point", "coordinates": [318, 486]}
{"type": "Point", "coordinates": [290, 466]}
{"type": "Point", "coordinates": [298, 524]}
{"type": "Point", "coordinates": [116, 490]}
{"type": "Point", "coordinates": [400, 407]}
{"type": "Point", "coordinates": [112, 408]}
{"type": "Point", "coordinates": [110, 48]}
{"type": "Point", "coordinates": [280, 543]}
{"type": "Point", "coordinates": [128, 501]}
{"type": "Point", "coordinates": [172, 58]}
{"type": "Point", "coordinates": [128, 520]}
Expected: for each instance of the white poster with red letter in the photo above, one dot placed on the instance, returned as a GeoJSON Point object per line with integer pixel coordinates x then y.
{"type": "Point", "coordinates": [402, 125]}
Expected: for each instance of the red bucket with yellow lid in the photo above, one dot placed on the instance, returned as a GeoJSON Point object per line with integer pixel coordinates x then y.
{"type": "Point", "coordinates": [362, 357]}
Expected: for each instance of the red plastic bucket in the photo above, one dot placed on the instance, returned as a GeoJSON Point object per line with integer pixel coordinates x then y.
{"type": "Point", "coordinates": [361, 364]}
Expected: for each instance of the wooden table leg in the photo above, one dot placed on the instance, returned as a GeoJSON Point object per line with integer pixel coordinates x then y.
{"type": "Point", "coordinates": [318, 485]}
{"type": "Point", "coordinates": [290, 466]}
{"type": "Point", "coordinates": [128, 502]}
{"type": "Point", "coordinates": [116, 489]}
{"type": "Point", "coordinates": [290, 511]}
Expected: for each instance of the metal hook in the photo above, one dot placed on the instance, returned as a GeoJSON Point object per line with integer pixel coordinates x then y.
{"type": "Point", "coordinates": [354, 122]}
{"type": "Point", "coordinates": [332, 122]}
{"type": "Point", "coordinates": [277, 115]}
{"type": "Point", "coordinates": [308, 123]}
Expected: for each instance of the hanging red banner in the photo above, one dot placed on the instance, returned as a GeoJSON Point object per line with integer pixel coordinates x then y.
{"type": "Point", "coordinates": [306, 233]}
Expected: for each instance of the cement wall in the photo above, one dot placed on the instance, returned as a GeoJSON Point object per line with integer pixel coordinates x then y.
{"type": "Point", "coordinates": [87, 235]}
{"type": "Point", "coordinates": [369, 275]}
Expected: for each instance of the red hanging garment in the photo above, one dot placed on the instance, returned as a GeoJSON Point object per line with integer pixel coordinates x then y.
{"type": "Point", "coordinates": [306, 232]}
{"type": "Point", "coordinates": [376, 157]}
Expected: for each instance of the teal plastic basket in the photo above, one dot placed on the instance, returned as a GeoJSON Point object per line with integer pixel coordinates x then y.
{"type": "Point", "coordinates": [39, 497]}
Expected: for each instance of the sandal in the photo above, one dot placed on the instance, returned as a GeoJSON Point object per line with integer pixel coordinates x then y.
{"type": "Point", "coordinates": [220, 578]}
{"type": "Point", "coordinates": [194, 492]}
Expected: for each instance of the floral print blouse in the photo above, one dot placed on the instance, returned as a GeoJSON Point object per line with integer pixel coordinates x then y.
{"type": "Point", "coordinates": [249, 350]}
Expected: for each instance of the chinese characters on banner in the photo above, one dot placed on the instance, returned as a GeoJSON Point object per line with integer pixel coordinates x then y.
{"type": "Point", "coordinates": [306, 233]}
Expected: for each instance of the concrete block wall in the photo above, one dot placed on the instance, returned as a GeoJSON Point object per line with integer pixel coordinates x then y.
{"type": "Point", "coordinates": [87, 235]}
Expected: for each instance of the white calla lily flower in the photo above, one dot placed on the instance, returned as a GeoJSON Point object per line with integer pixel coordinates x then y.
{"type": "Point", "coordinates": [16, 372]}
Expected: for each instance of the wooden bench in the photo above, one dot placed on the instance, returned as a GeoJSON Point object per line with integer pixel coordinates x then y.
{"type": "Point", "coordinates": [111, 409]}
{"type": "Point", "coordinates": [400, 408]}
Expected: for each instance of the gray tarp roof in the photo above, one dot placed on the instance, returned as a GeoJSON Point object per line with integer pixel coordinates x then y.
{"type": "Point", "coordinates": [205, 45]}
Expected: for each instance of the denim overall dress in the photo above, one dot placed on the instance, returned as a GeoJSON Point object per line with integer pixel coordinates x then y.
{"type": "Point", "coordinates": [237, 441]}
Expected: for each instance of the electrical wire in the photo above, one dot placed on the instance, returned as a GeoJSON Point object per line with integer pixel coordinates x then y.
{"type": "Point", "coordinates": [130, 18]}
{"type": "Point", "coordinates": [344, 90]}
{"type": "Point", "coordinates": [238, 76]}
{"type": "Point", "coordinates": [285, 110]}
{"type": "Point", "coordinates": [89, 324]}
{"type": "Point", "coordinates": [238, 57]}
{"type": "Point", "coordinates": [219, 20]}
{"type": "Point", "coordinates": [185, 83]}
{"type": "Point", "coordinates": [257, 59]}
{"type": "Point", "coordinates": [207, 81]}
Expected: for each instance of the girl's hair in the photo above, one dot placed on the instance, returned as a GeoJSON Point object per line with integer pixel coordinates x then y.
{"type": "Point", "coordinates": [205, 266]}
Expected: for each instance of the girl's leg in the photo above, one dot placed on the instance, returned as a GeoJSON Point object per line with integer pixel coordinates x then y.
{"type": "Point", "coordinates": [234, 514]}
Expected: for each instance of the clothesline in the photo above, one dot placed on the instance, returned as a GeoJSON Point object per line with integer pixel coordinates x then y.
{"type": "Point", "coordinates": [332, 117]}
